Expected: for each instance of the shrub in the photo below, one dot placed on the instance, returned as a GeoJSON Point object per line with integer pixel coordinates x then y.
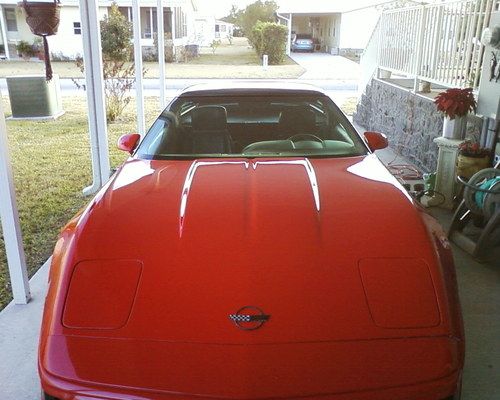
{"type": "Point", "coordinates": [214, 45]}
{"type": "Point", "coordinates": [168, 47]}
{"type": "Point", "coordinates": [60, 56]}
{"type": "Point", "coordinates": [118, 80]}
{"type": "Point", "coordinates": [263, 11]}
{"type": "Point", "coordinates": [116, 36]}
{"type": "Point", "coordinates": [119, 76]}
{"type": "Point", "coordinates": [269, 38]}
{"type": "Point", "coordinates": [25, 49]}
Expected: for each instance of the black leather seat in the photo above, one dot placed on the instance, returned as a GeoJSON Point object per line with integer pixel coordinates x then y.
{"type": "Point", "coordinates": [297, 120]}
{"type": "Point", "coordinates": [209, 131]}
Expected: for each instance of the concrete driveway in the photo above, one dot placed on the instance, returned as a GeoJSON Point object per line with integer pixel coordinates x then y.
{"type": "Point", "coordinates": [326, 66]}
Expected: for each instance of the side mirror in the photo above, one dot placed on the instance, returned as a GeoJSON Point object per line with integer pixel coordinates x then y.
{"type": "Point", "coordinates": [129, 142]}
{"type": "Point", "coordinates": [376, 140]}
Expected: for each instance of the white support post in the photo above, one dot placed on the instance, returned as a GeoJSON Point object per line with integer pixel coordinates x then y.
{"type": "Point", "coordinates": [174, 22]}
{"type": "Point", "coordinates": [92, 57]}
{"type": "Point", "coordinates": [161, 53]}
{"type": "Point", "coordinates": [10, 222]}
{"type": "Point", "coordinates": [139, 95]}
{"type": "Point", "coordinates": [4, 34]}
{"type": "Point", "coordinates": [289, 26]}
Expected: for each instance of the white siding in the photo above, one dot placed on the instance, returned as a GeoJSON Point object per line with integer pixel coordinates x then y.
{"type": "Point", "coordinates": [66, 43]}
{"type": "Point", "coordinates": [357, 27]}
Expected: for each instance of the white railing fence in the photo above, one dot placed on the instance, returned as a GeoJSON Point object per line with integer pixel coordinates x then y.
{"type": "Point", "coordinates": [438, 43]}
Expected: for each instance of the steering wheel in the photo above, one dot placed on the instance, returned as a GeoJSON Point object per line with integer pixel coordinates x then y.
{"type": "Point", "coordinates": [305, 136]}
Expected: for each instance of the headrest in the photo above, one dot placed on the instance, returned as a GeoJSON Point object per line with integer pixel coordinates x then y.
{"type": "Point", "coordinates": [209, 118]}
{"type": "Point", "coordinates": [298, 119]}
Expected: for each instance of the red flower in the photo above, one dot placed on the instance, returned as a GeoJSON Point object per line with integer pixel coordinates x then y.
{"type": "Point", "coordinates": [456, 102]}
{"type": "Point", "coordinates": [470, 149]}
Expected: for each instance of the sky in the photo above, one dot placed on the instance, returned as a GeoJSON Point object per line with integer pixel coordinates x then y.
{"type": "Point", "coordinates": [221, 8]}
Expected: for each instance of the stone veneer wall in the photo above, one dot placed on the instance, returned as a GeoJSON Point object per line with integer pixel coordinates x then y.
{"type": "Point", "coordinates": [410, 121]}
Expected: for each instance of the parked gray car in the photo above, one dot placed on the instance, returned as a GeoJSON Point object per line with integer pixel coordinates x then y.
{"type": "Point", "coordinates": [303, 42]}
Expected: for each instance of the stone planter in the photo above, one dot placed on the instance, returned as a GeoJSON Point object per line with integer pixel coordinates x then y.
{"type": "Point", "coordinates": [455, 128]}
{"type": "Point", "coordinates": [468, 166]}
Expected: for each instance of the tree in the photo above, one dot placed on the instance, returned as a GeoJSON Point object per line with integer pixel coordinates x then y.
{"type": "Point", "coordinates": [116, 36]}
{"type": "Point", "coordinates": [399, 4]}
{"type": "Point", "coordinates": [270, 38]}
{"type": "Point", "coordinates": [258, 11]}
{"type": "Point", "coordinates": [119, 78]}
{"type": "Point", "coordinates": [233, 16]}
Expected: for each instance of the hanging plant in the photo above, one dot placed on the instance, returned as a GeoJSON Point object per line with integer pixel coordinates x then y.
{"type": "Point", "coordinates": [456, 102]}
{"type": "Point", "coordinates": [43, 19]}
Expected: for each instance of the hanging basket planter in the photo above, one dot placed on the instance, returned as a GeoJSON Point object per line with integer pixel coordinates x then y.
{"type": "Point", "coordinates": [43, 19]}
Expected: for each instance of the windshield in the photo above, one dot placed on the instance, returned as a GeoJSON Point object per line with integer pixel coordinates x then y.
{"type": "Point", "coordinates": [251, 126]}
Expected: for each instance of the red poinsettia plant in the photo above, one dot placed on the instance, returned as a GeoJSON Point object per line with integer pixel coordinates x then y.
{"type": "Point", "coordinates": [471, 149]}
{"type": "Point", "coordinates": [456, 102]}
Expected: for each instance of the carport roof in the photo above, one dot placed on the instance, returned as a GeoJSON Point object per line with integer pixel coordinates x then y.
{"type": "Point", "coordinates": [326, 7]}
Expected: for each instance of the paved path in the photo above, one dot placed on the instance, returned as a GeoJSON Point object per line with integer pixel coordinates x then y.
{"type": "Point", "coordinates": [322, 66]}
{"type": "Point", "coordinates": [338, 90]}
{"type": "Point", "coordinates": [19, 330]}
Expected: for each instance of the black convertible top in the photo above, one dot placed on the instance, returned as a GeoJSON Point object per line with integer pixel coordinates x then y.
{"type": "Point", "coordinates": [252, 88]}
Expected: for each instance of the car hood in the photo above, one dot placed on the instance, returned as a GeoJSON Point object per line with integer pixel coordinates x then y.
{"type": "Point", "coordinates": [332, 250]}
{"type": "Point", "coordinates": [212, 236]}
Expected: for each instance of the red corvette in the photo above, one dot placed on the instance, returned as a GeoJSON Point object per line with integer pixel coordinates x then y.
{"type": "Point", "coordinates": [252, 247]}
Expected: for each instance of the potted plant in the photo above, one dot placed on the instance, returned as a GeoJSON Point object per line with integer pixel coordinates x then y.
{"type": "Point", "coordinates": [455, 104]}
{"type": "Point", "coordinates": [43, 18]}
{"type": "Point", "coordinates": [471, 159]}
{"type": "Point", "coordinates": [38, 48]}
{"type": "Point", "coordinates": [25, 50]}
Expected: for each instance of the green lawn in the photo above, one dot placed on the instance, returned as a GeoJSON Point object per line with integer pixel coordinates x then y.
{"type": "Point", "coordinates": [229, 61]}
{"type": "Point", "coordinates": [51, 166]}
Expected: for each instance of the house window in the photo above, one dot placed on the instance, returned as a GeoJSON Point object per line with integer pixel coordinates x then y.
{"type": "Point", "coordinates": [167, 21]}
{"type": "Point", "coordinates": [11, 20]}
{"type": "Point", "coordinates": [147, 30]}
{"type": "Point", "coordinates": [126, 12]}
{"type": "Point", "coordinates": [151, 23]}
{"type": "Point", "coordinates": [180, 23]}
{"type": "Point", "coordinates": [77, 28]}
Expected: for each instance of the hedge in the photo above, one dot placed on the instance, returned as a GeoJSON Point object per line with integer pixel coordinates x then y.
{"type": "Point", "coordinates": [270, 38]}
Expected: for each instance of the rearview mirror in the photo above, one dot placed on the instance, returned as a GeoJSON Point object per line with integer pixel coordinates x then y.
{"type": "Point", "coordinates": [376, 140]}
{"type": "Point", "coordinates": [129, 142]}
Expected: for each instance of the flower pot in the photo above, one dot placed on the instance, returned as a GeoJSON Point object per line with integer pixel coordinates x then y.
{"type": "Point", "coordinates": [42, 17]}
{"type": "Point", "coordinates": [424, 87]}
{"type": "Point", "coordinates": [468, 166]}
{"type": "Point", "coordinates": [384, 74]}
{"type": "Point", "coordinates": [455, 128]}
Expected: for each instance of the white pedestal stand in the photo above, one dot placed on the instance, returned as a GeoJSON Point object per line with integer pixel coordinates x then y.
{"type": "Point", "coordinates": [446, 172]}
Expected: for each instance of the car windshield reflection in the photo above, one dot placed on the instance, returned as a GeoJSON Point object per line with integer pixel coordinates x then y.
{"type": "Point", "coordinates": [251, 126]}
